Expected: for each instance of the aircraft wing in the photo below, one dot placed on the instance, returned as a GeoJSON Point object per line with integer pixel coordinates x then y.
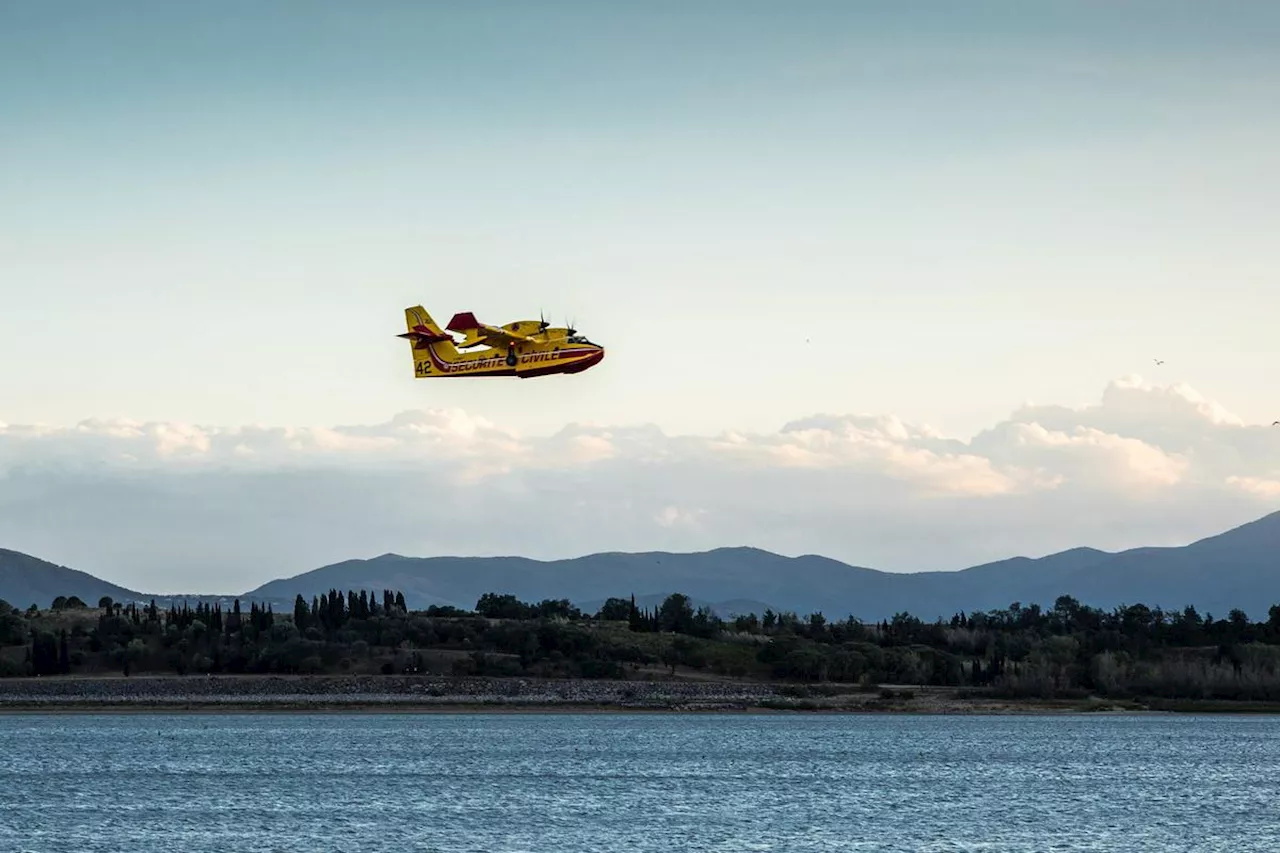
{"type": "Point", "coordinates": [496, 337]}
{"type": "Point", "coordinates": [468, 325]}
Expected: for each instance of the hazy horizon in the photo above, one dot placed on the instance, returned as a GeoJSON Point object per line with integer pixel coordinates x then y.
{"type": "Point", "coordinates": [202, 592]}
{"type": "Point", "coordinates": [884, 283]}
{"type": "Point", "coordinates": [144, 504]}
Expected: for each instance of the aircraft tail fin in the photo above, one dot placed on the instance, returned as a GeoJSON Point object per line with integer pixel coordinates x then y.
{"type": "Point", "coordinates": [420, 325]}
{"type": "Point", "coordinates": [430, 342]}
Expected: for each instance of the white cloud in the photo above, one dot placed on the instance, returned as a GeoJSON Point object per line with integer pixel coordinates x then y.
{"type": "Point", "coordinates": [674, 516]}
{"type": "Point", "coordinates": [179, 506]}
{"type": "Point", "coordinates": [1261, 486]}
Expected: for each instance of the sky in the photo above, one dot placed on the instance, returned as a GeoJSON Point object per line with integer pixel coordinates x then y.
{"type": "Point", "coordinates": [881, 281]}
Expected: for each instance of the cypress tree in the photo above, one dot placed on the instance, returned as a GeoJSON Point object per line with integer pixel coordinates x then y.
{"type": "Point", "coordinates": [64, 653]}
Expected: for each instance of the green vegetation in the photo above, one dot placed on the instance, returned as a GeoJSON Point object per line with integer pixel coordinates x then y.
{"type": "Point", "coordinates": [1069, 651]}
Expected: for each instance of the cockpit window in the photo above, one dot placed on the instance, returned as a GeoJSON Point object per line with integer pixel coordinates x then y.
{"type": "Point", "coordinates": [581, 339]}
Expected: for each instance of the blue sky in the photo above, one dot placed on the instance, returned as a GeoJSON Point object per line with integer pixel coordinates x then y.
{"type": "Point", "coordinates": [215, 213]}
{"type": "Point", "coordinates": [958, 210]}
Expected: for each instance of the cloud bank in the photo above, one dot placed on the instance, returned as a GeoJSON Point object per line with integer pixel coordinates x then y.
{"type": "Point", "coordinates": [174, 507]}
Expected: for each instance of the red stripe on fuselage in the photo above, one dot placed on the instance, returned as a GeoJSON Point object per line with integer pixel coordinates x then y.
{"type": "Point", "coordinates": [564, 361]}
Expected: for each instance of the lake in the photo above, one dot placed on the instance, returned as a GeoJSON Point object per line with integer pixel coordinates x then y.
{"type": "Point", "coordinates": [637, 782]}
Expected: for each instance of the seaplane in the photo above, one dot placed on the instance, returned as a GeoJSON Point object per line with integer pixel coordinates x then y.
{"type": "Point", "coordinates": [524, 349]}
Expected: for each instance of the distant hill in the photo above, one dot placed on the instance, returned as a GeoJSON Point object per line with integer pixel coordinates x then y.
{"type": "Point", "coordinates": [1238, 568]}
{"type": "Point", "coordinates": [25, 580]}
{"type": "Point", "coordinates": [728, 580]}
{"type": "Point", "coordinates": [755, 578]}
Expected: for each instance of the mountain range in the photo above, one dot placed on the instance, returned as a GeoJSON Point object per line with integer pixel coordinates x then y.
{"type": "Point", "coordinates": [1236, 569]}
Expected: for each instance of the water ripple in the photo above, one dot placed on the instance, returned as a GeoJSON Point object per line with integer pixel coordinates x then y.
{"type": "Point", "coordinates": [541, 783]}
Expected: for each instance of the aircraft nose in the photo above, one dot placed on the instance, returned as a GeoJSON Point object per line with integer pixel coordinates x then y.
{"type": "Point", "coordinates": [586, 361]}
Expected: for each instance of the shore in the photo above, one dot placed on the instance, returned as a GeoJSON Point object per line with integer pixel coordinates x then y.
{"type": "Point", "coordinates": [437, 694]}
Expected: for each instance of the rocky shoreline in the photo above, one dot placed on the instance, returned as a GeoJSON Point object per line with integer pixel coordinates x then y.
{"type": "Point", "coordinates": [376, 691]}
{"type": "Point", "coordinates": [367, 693]}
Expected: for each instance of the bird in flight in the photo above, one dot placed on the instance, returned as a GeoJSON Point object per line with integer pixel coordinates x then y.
{"type": "Point", "coordinates": [1275, 423]}
{"type": "Point", "coordinates": [1158, 360]}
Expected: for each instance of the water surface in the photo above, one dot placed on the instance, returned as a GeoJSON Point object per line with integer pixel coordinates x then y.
{"type": "Point", "coordinates": [637, 782]}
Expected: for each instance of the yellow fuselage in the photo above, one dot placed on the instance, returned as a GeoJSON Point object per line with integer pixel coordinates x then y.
{"type": "Point", "coordinates": [523, 359]}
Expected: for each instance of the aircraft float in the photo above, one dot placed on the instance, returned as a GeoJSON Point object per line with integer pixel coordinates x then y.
{"type": "Point", "coordinates": [525, 348]}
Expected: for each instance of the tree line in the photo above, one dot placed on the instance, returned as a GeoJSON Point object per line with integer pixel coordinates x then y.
{"type": "Point", "coordinates": [1069, 649]}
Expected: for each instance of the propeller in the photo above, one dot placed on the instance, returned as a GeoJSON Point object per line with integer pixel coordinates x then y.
{"type": "Point", "coordinates": [542, 321]}
{"type": "Point", "coordinates": [569, 328]}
